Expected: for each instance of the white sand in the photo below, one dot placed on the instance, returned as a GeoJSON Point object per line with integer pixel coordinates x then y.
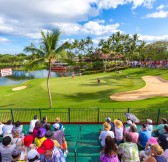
{"type": "Point", "coordinates": [19, 88]}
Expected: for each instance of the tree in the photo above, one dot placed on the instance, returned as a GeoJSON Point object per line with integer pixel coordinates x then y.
{"type": "Point", "coordinates": [48, 51]}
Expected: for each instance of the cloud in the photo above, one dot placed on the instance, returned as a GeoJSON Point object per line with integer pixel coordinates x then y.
{"type": "Point", "coordinates": [153, 38]}
{"type": "Point", "coordinates": [3, 39]}
{"type": "Point", "coordinates": [159, 14]}
{"type": "Point", "coordinates": [160, 7]}
{"type": "Point", "coordinates": [144, 3]}
{"type": "Point", "coordinates": [107, 4]}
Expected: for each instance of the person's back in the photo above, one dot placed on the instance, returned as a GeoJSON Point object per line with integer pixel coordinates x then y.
{"type": "Point", "coordinates": [7, 128]}
{"type": "Point", "coordinates": [32, 124]}
{"type": "Point", "coordinates": [58, 135]}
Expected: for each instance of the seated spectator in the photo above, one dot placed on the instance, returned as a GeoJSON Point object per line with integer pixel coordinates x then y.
{"type": "Point", "coordinates": [144, 154]}
{"type": "Point", "coordinates": [48, 126]}
{"type": "Point", "coordinates": [149, 125]}
{"type": "Point", "coordinates": [1, 126]}
{"type": "Point", "coordinates": [128, 150]}
{"type": "Point", "coordinates": [6, 149]}
{"type": "Point", "coordinates": [50, 153]}
{"type": "Point", "coordinates": [36, 128]}
{"type": "Point", "coordinates": [18, 127]}
{"type": "Point", "coordinates": [17, 139]}
{"type": "Point", "coordinates": [127, 129]}
{"type": "Point", "coordinates": [162, 139]}
{"type": "Point", "coordinates": [118, 131]}
{"type": "Point", "coordinates": [7, 128]}
{"type": "Point", "coordinates": [106, 132]}
{"type": "Point", "coordinates": [156, 154]}
{"type": "Point", "coordinates": [109, 152]}
{"type": "Point", "coordinates": [28, 143]}
{"type": "Point", "coordinates": [59, 136]}
{"type": "Point", "coordinates": [144, 136]}
{"type": "Point", "coordinates": [49, 135]}
{"type": "Point", "coordinates": [134, 134]}
{"type": "Point", "coordinates": [32, 124]}
{"type": "Point", "coordinates": [57, 121]}
{"type": "Point", "coordinates": [159, 129]}
{"type": "Point", "coordinates": [33, 156]}
{"type": "Point", "coordinates": [108, 120]}
{"type": "Point", "coordinates": [40, 138]}
{"type": "Point", "coordinates": [16, 153]}
{"type": "Point", "coordinates": [43, 122]}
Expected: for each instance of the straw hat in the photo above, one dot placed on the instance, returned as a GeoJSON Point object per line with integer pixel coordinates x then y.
{"type": "Point", "coordinates": [106, 126]}
{"type": "Point", "coordinates": [118, 123]}
{"type": "Point", "coordinates": [157, 150]}
{"type": "Point", "coordinates": [149, 121]}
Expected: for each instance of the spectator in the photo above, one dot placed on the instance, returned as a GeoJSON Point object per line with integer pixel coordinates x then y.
{"type": "Point", "coordinates": [18, 127]}
{"type": "Point", "coordinates": [159, 129]}
{"type": "Point", "coordinates": [108, 120]}
{"type": "Point", "coordinates": [144, 154]}
{"type": "Point", "coordinates": [118, 131]}
{"type": "Point", "coordinates": [106, 132]}
{"type": "Point", "coordinates": [40, 137]}
{"type": "Point", "coordinates": [33, 156]}
{"type": "Point", "coordinates": [144, 136]}
{"type": "Point", "coordinates": [7, 128]}
{"type": "Point", "coordinates": [156, 154]}
{"type": "Point", "coordinates": [109, 152]}
{"type": "Point", "coordinates": [1, 126]}
{"type": "Point", "coordinates": [57, 121]}
{"type": "Point", "coordinates": [32, 124]}
{"type": "Point", "coordinates": [49, 153]}
{"type": "Point", "coordinates": [43, 122]}
{"type": "Point", "coordinates": [17, 139]}
{"type": "Point", "coordinates": [16, 153]}
{"type": "Point", "coordinates": [48, 126]}
{"type": "Point", "coordinates": [128, 150]}
{"type": "Point", "coordinates": [134, 134]}
{"type": "Point", "coordinates": [36, 128]}
{"type": "Point", "coordinates": [149, 125]}
{"type": "Point", "coordinates": [6, 149]}
{"type": "Point", "coordinates": [127, 129]}
{"type": "Point", "coordinates": [162, 139]}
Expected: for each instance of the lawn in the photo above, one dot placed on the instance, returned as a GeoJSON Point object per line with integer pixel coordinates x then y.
{"type": "Point", "coordinates": [83, 91]}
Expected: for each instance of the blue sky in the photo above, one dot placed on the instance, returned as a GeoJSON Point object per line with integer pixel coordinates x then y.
{"type": "Point", "coordinates": [22, 20]}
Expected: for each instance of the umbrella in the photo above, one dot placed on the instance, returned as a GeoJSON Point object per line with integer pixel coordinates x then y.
{"type": "Point", "coordinates": [132, 117]}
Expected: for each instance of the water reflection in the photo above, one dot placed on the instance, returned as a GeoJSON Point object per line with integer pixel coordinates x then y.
{"type": "Point", "coordinates": [21, 76]}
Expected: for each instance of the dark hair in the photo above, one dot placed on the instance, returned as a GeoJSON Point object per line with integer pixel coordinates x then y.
{"type": "Point", "coordinates": [166, 128]}
{"type": "Point", "coordinates": [133, 128]}
{"type": "Point", "coordinates": [38, 133]}
{"type": "Point", "coordinates": [44, 118]}
{"type": "Point", "coordinates": [110, 146]}
{"type": "Point", "coordinates": [6, 141]}
{"type": "Point", "coordinates": [37, 125]}
{"type": "Point", "coordinates": [164, 120]}
{"type": "Point", "coordinates": [48, 126]}
{"type": "Point", "coordinates": [35, 117]}
{"type": "Point", "coordinates": [15, 156]}
{"type": "Point", "coordinates": [144, 126]}
{"type": "Point", "coordinates": [128, 137]}
{"type": "Point", "coordinates": [18, 123]}
{"type": "Point", "coordinates": [35, 158]}
{"type": "Point", "coordinates": [9, 122]}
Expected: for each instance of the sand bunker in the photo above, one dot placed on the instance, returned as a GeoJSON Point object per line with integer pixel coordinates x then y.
{"type": "Point", "coordinates": [19, 88]}
{"type": "Point", "coordinates": [155, 86]}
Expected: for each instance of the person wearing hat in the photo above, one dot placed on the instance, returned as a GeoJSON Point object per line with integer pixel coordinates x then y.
{"type": "Point", "coordinates": [33, 156]}
{"type": "Point", "coordinates": [156, 154]}
{"type": "Point", "coordinates": [127, 129]}
{"type": "Point", "coordinates": [108, 120]}
{"type": "Point", "coordinates": [144, 154]}
{"type": "Point", "coordinates": [162, 139]}
{"type": "Point", "coordinates": [49, 153]}
{"type": "Point", "coordinates": [144, 136]}
{"type": "Point", "coordinates": [106, 132]}
{"type": "Point", "coordinates": [58, 121]}
{"type": "Point", "coordinates": [16, 153]}
{"type": "Point", "coordinates": [49, 135]}
{"type": "Point", "coordinates": [118, 131]}
{"type": "Point", "coordinates": [149, 124]}
{"type": "Point", "coordinates": [40, 137]}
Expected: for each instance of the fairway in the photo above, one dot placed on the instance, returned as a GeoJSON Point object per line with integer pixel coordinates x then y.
{"type": "Point", "coordinates": [83, 91]}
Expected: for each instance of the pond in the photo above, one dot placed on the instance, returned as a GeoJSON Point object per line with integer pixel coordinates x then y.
{"type": "Point", "coordinates": [22, 76]}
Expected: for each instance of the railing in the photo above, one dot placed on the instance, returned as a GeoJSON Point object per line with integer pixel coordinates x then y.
{"type": "Point", "coordinates": [82, 115]}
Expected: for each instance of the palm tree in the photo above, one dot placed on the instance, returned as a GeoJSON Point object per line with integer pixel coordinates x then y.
{"type": "Point", "coordinates": [48, 51]}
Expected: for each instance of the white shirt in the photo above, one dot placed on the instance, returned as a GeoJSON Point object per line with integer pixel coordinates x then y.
{"type": "Point", "coordinates": [32, 125]}
{"type": "Point", "coordinates": [7, 129]}
{"type": "Point", "coordinates": [119, 133]}
{"type": "Point", "coordinates": [104, 134]}
{"type": "Point", "coordinates": [150, 127]}
{"type": "Point", "coordinates": [1, 132]}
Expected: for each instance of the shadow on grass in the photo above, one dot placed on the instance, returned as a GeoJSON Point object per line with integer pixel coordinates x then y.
{"type": "Point", "coordinates": [2, 106]}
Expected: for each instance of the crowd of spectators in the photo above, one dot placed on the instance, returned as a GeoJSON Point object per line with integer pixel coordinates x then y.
{"type": "Point", "coordinates": [43, 143]}
{"type": "Point", "coordinates": [124, 143]}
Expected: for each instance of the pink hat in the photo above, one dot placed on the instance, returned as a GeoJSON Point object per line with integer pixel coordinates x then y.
{"type": "Point", "coordinates": [152, 141]}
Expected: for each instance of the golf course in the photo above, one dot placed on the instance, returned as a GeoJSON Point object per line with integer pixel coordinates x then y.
{"type": "Point", "coordinates": [84, 91]}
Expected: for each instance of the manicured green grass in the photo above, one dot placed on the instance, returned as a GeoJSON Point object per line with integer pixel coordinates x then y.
{"type": "Point", "coordinates": [83, 91]}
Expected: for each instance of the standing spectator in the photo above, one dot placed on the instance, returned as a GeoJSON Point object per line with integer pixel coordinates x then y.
{"type": "Point", "coordinates": [118, 131]}
{"type": "Point", "coordinates": [7, 128]}
{"type": "Point", "coordinates": [58, 121]}
{"type": "Point", "coordinates": [36, 128]}
{"type": "Point", "coordinates": [17, 128]}
{"type": "Point", "coordinates": [128, 150]}
{"type": "Point", "coordinates": [108, 120]}
{"type": "Point", "coordinates": [156, 154]}
{"type": "Point", "coordinates": [1, 126]}
{"type": "Point", "coordinates": [32, 124]}
{"type": "Point", "coordinates": [73, 74]}
{"type": "Point", "coordinates": [149, 125]}
{"type": "Point", "coordinates": [49, 153]}
{"type": "Point", "coordinates": [6, 149]}
{"type": "Point", "coordinates": [43, 122]}
{"type": "Point", "coordinates": [109, 152]}
{"type": "Point", "coordinates": [162, 139]}
{"type": "Point", "coordinates": [106, 132]}
{"type": "Point", "coordinates": [134, 134]}
{"type": "Point", "coordinates": [40, 137]}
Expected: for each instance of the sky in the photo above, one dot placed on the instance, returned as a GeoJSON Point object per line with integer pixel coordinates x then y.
{"type": "Point", "coordinates": [22, 20]}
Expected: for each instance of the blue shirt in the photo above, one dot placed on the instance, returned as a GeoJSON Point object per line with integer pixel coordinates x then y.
{"type": "Point", "coordinates": [144, 137]}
